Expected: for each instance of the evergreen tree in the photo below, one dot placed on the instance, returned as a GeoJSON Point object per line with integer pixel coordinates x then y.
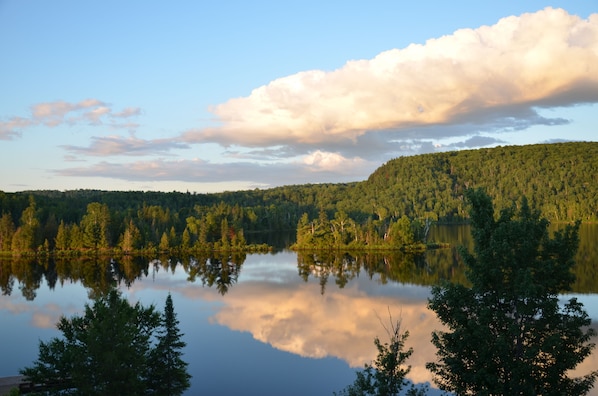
{"type": "Point", "coordinates": [508, 335]}
{"type": "Point", "coordinates": [131, 237]}
{"type": "Point", "coordinates": [62, 240]}
{"type": "Point", "coordinates": [7, 229]}
{"type": "Point", "coordinates": [26, 237]}
{"type": "Point", "coordinates": [95, 226]}
{"type": "Point", "coordinates": [168, 371]}
{"type": "Point", "coordinates": [104, 352]}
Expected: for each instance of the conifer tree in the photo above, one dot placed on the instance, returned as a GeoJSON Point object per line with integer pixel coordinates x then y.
{"type": "Point", "coordinates": [103, 352]}
{"type": "Point", "coordinates": [507, 333]}
{"type": "Point", "coordinates": [110, 351]}
{"type": "Point", "coordinates": [169, 372]}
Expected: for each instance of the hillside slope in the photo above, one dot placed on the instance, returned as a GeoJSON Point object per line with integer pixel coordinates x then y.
{"type": "Point", "coordinates": [559, 179]}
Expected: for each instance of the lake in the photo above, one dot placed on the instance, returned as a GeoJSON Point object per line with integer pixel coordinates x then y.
{"type": "Point", "coordinates": [269, 324]}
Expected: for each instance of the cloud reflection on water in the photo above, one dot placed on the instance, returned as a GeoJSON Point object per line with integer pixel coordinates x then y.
{"type": "Point", "coordinates": [295, 317]}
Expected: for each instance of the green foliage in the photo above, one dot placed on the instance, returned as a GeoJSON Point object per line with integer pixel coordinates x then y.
{"type": "Point", "coordinates": [507, 332]}
{"type": "Point", "coordinates": [109, 350]}
{"type": "Point", "coordinates": [7, 230]}
{"type": "Point", "coordinates": [26, 238]}
{"type": "Point", "coordinates": [14, 392]}
{"type": "Point", "coordinates": [559, 179]}
{"type": "Point", "coordinates": [168, 375]}
{"type": "Point", "coordinates": [96, 226]}
{"type": "Point", "coordinates": [344, 232]}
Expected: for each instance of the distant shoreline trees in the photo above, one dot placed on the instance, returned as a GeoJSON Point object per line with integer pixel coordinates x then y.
{"type": "Point", "coordinates": [153, 230]}
{"type": "Point", "coordinates": [558, 179]}
{"type": "Point", "coordinates": [343, 232]}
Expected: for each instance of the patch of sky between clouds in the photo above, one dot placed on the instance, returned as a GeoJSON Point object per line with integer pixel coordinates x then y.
{"type": "Point", "coordinates": [581, 123]}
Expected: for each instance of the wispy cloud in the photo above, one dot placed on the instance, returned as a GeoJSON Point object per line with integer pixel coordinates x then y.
{"type": "Point", "coordinates": [317, 167]}
{"type": "Point", "coordinates": [492, 77]}
{"type": "Point", "coordinates": [53, 114]}
{"type": "Point", "coordinates": [12, 128]}
{"type": "Point", "coordinates": [118, 145]}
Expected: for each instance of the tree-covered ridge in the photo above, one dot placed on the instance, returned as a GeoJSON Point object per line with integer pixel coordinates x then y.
{"type": "Point", "coordinates": [559, 179]}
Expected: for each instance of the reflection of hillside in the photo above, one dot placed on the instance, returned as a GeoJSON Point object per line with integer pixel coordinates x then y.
{"type": "Point", "coordinates": [391, 266]}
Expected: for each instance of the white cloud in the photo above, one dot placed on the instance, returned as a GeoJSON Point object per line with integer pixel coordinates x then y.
{"type": "Point", "coordinates": [333, 162]}
{"type": "Point", "coordinates": [486, 76]}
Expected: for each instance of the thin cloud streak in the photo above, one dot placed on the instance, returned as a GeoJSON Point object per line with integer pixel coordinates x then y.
{"type": "Point", "coordinates": [131, 146]}
{"type": "Point", "coordinates": [491, 75]}
{"type": "Point", "coordinates": [319, 167]}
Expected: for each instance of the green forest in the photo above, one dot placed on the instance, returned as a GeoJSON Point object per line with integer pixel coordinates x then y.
{"type": "Point", "coordinates": [396, 203]}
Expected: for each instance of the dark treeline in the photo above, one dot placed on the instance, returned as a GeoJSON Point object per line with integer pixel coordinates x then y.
{"type": "Point", "coordinates": [560, 180]}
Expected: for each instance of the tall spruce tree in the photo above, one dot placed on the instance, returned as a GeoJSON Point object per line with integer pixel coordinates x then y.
{"type": "Point", "coordinates": [169, 372]}
{"type": "Point", "coordinates": [507, 333]}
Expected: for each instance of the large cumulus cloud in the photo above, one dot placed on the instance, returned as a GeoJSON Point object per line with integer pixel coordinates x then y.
{"type": "Point", "coordinates": [492, 75]}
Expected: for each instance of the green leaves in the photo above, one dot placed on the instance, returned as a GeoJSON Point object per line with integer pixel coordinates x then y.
{"type": "Point", "coordinates": [507, 333]}
{"type": "Point", "coordinates": [110, 350]}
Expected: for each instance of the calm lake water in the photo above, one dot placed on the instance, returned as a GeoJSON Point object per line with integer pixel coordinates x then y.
{"type": "Point", "coordinates": [265, 324]}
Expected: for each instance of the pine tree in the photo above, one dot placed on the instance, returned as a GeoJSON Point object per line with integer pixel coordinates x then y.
{"type": "Point", "coordinates": [104, 352]}
{"type": "Point", "coordinates": [507, 334]}
{"type": "Point", "coordinates": [169, 372]}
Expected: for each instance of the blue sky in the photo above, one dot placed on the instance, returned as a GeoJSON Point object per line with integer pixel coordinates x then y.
{"type": "Point", "coordinates": [210, 96]}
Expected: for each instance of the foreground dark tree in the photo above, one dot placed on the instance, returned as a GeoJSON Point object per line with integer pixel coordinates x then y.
{"type": "Point", "coordinates": [169, 372]}
{"type": "Point", "coordinates": [507, 333]}
{"type": "Point", "coordinates": [108, 351]}
{"type": "Point", "coordinates": [386, 375]}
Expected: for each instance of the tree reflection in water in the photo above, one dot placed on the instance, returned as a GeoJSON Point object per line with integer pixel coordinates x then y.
{"type": "Point", "coordinates": [221, 270]}
{"type": "Point", "coordinates": [102, 274]}
{"type": "Point", "coordinates": [395, 266]}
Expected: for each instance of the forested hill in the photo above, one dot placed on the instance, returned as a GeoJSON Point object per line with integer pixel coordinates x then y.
{"type": "Point", "coordinates": [559, 179]}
